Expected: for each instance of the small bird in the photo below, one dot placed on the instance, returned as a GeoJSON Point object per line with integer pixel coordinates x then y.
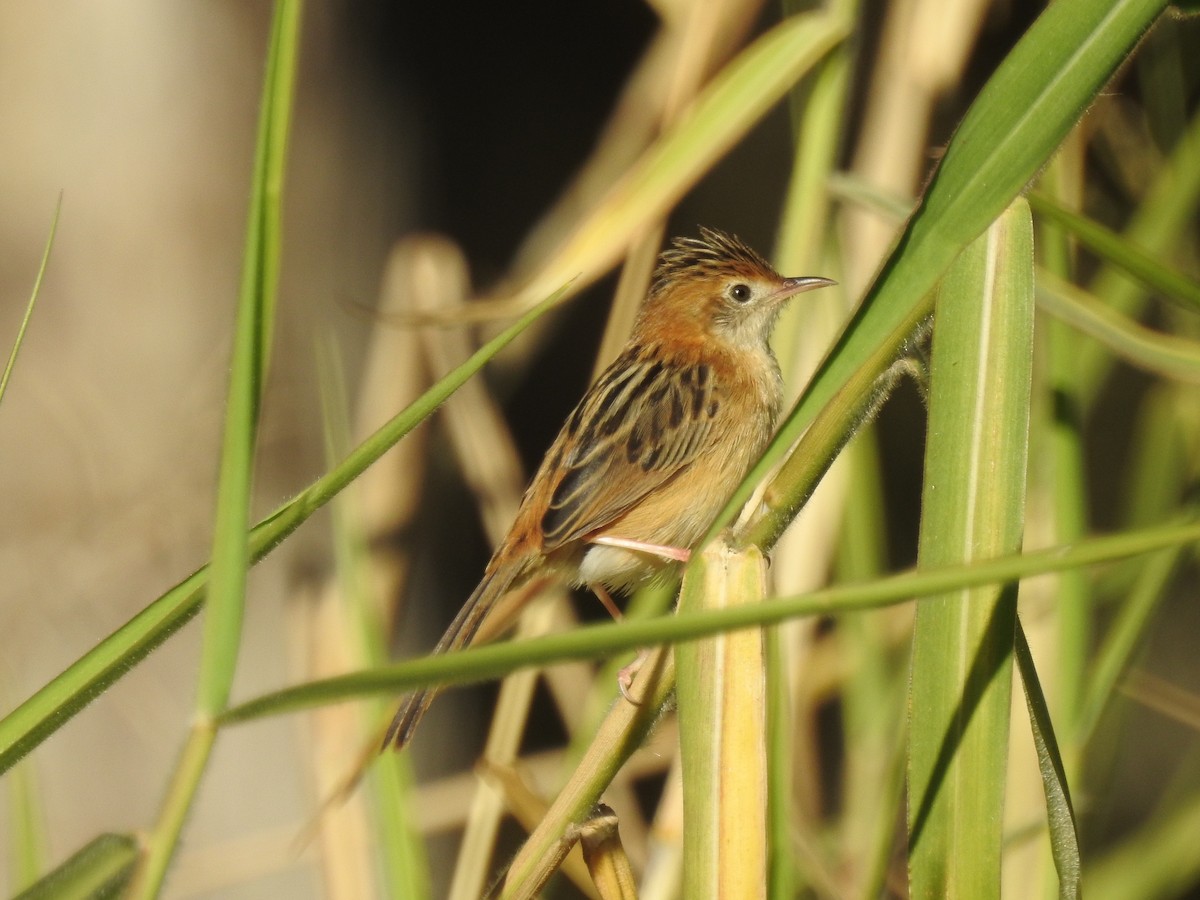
{"type": "Point", "coordinates": [656, 447]}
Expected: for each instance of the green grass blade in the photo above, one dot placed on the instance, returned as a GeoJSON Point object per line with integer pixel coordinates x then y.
{"type": "Point", "coordinates": [590, 642]}
{"type": "Point", "coordinates": [37, 287]}
{"type": "Point", "coordinates": [973, 507]}
{"type": "Point", "coordinates": [404, 864]}
{"type": "Point", "coordinates": [231, 555]}
{"type": "Point", "coordinates": [1163, 463]}
{"type": "Point", "coordinates": [56, 702]}
{"type": "Point", "coordinates": [1064, 473]}
{"type": "Point", "coordinates": [27, 837]}
{"type": "Point", "coordinates": [874, 707]}
{"type": "Point", "coordinates": [255, 315]}
{"type": "Point", "coordinates": [97, 870]}
{"type": "Point", "coordinates": [1119, 251]}
{"type": "Point", "coordinates": [1064, 841]}
{"type": "Point", "coordinates": [1010, 131]}
{"type": "Point", "coordinates": [1165, 214]}
{"type": "Point", "coordinates": [27, 828]}
{"type": "Point", "coordinates": [1126, 636]}
{"type": "Point", "coordinates": [1160, 354]}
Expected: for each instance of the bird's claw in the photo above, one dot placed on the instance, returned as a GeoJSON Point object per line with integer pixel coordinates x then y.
{"type": "Point", "coordinates": [627, 674]}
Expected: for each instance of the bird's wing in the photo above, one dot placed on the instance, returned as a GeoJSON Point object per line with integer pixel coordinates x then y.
{"type": "Point", "coordinates": [641, 423]}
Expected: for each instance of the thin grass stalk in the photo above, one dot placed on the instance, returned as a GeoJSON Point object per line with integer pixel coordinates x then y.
{"type": "Point", "coordinates": [388, 498]}
{"type": "Point", "coordinates": [1067, 475]}
{"type": "Point", "coordinates": [697, 33]}
{"type": "Point", "coordinates": [972, 508]}
{"type": "Point", "coordinates": [724, 111]}
{"type": "Point", "coordinates": [27, 828]}
{"type": "Point", "coordinates": [26, 815]}
{"type": "Point", "coordinates": [1115, 249]}
{"type": "Point", "coordinates": [651, 600]}
{"type": "Point", "coordinates": [1160, 860]}
{"type": "Point", "coordinates": [872, 696]}
{"type": "Point", "coordinates": [33, 297]}
{"type": "Point", "coordinates": [818, 108]}
{"type": "Point", "coordinates": [231, 556]}
{"type": "Point", "coordinates": [594, 641]}
{"type": "Point", "coordinates": [1163, 467]}
{"type": "Point", "coordinates": [784, 876]}
{"type": "Point", "coordinates": [490, 463]}
{"type": "Point", "coordinates": [621, 733]}
{"type": "Point", "coordinates": [1163, 215]}
{"type": "Point", "coordinates": [400, 851]}
{"type": "Point", "coordinates": [1159, 354]}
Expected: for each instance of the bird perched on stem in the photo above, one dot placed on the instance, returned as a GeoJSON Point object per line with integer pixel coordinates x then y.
{"type": "Point", "coordinates": [656, 447]}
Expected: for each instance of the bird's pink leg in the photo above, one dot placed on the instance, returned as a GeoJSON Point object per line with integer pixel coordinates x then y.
{"type": "Point", "coordinates": [606, 600]}
{"type": "Point", "coordinates": [627, 673]}
{"type": "Point", "coordinates": [679, 554]}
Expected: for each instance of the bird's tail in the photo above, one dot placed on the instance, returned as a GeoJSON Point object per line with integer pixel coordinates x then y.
{"type": "Point", "coordinates": [462, 631]}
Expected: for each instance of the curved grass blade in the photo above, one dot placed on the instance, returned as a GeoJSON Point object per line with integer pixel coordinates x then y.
{"type": "Point", "coordinates": [1119, 251]}
{"type": "Point", "coordinates": [1162, 354]}
{"type": "Point", "coordinates": [1060, 814]}
{"type": "Point", "coordinates": [37, 287]}
{"type": "Point", "coordinates": [1165, 213]}
{"type": "Point", "coordinates": [231, 555]}
{"type": "Point", "coordinates": [55, 703]}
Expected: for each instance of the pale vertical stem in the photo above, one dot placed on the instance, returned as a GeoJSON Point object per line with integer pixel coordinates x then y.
{"type": "Point", "coordinates": [972, 509]}
{"type": "Point", "coordinates": [722, 733]}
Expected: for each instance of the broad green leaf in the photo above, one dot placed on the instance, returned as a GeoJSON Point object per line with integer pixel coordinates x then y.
{"type": "Point", "coordinates": [973, 507]}
{"type": "Point", "coordinates": [1011, 130]}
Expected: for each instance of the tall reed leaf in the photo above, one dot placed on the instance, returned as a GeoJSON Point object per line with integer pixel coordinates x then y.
{"type": "Point", "coordinates": [973, 507]}
{"type": "Point", "coordinates": [1011, 130]}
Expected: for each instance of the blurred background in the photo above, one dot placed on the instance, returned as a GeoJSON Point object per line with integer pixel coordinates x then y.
{"type": "Point", "coordinates": [411, 119]}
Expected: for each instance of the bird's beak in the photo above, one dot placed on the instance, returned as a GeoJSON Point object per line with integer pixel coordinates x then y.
{"type": "Point", "coordinates": [793, 286]}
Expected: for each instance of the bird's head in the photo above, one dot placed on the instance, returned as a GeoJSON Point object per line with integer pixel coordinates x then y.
{"type": "Point", "coordinates": [717, 287]}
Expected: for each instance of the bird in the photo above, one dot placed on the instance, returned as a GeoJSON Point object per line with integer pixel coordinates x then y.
{"type": "Point", "coordinates": [657, 445]}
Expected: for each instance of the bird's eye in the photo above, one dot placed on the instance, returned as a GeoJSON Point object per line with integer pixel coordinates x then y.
{"type": "Point", "coordinates": [740, 292]}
